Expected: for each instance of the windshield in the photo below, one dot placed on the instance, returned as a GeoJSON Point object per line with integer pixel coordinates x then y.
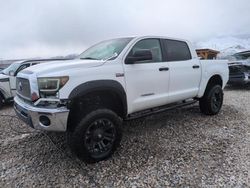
{"type": "Point", "coordinates": [105, 49]}
{"type": "Point", "coordinates": [13, 67]}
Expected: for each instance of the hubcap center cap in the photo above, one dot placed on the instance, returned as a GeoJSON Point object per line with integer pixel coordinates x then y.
{"type": "Point", "coordinates": [98, 135]}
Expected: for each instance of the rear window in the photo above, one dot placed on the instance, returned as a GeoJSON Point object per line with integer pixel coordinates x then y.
{"type": "Point", "coordinates": [177, 50]}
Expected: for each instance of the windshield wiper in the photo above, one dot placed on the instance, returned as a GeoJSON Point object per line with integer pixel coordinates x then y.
{"type": "Point", "coordinates": [88, 58]}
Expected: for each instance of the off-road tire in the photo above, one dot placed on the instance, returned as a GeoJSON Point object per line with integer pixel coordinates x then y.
{"type": "Point", "coordinates": [86, 129]}
{"type": "Point", "coordinates": [211, 102]}
{"type": "Point", "coordinates": [1, 102]}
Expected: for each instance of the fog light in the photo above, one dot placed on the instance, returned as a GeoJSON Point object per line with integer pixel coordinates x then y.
{"type": "Point", "coordinates": [44, 120]}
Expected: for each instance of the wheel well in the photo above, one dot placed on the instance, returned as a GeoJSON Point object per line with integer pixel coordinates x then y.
{"type": "Point", "coordinates": [1, 95]}
{"type": "Point", "coordinates": [88, 102]}
{"type": "Point", "coordinates": [215, 80]}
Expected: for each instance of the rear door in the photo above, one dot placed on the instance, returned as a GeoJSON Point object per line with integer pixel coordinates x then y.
{"type": "Point", "coordinates": [147, 81]}
{"type": "Point", "coordinates": [185, 72]}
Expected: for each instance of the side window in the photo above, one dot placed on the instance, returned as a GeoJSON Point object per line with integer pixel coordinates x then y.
{"type": "Point", "coordinates": [177, 50]}
{"type": "Point", "coordinates": [148, 44]}
{"type": "Point", "coordinates": [24, 66]}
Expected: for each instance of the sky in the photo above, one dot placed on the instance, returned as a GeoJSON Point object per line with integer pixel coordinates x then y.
{"type": "Point", "coordinates": [45, 28]}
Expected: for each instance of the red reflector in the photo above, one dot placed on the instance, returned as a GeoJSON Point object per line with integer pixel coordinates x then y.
{"type": "Point", "coordinates": [34, 96]}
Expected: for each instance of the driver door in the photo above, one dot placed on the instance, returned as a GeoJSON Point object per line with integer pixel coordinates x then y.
{"type": "Point", "coordinates": [147, 81]}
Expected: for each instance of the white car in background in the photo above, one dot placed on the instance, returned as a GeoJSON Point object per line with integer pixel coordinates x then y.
{"type": "Point", "coordinates": [1, 69]}
{"type": "Point", "coordinates": [8, 78]}
{"type": "Point", "coordinates": [242, 58]}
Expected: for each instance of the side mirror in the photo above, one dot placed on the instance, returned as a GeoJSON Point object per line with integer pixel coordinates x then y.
{"type": "Point", "coordinates": [12, 73]}
{"type": "Point", "coordinates": [139, 55]}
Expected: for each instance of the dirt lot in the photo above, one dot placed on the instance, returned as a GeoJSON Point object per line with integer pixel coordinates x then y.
{"type": "Point", "coordinates": [175, 148]}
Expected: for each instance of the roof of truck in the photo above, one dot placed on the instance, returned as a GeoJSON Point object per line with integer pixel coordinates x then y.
{"type": "Point", "coordinates": [163, 37]}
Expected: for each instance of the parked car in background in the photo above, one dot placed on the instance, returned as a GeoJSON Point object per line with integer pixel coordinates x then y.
{"type": "Point", "coordinates": [239, 74]}
{"type": "Point", "coordinates": [1, 69]}
{"type": "Point", "coordinates": [3, 66]}
{"type": "Point", "coordinates": [8, 78]}
{"type": "Point", "coordinates": [243, 57]}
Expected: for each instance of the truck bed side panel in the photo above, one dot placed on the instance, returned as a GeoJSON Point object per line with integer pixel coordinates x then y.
{"type": "Point", "coordinates": [211, 68]}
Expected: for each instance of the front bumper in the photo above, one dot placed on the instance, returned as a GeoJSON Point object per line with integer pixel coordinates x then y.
{"type": "Point", "coordinates": [33, 116]}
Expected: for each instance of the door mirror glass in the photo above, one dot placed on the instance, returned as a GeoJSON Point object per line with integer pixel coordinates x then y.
{"type": "Point", "coordinates": [139, 55]}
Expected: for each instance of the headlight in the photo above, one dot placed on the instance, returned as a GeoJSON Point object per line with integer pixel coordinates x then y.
{"type": "Point", "coordinates": [50, 86]}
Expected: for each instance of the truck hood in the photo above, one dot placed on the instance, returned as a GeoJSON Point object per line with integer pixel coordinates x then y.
{"type": "Point", "coordinates": [57, 66]}
{"type": "Point", "coordinates": [3, 76]}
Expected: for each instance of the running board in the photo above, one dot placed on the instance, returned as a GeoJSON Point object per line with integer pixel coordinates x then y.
{"type": "Point", "coordinates": [157, 110]}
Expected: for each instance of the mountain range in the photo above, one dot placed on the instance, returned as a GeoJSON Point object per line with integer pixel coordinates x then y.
{"type": "Point", "coordinates": [226, 45]}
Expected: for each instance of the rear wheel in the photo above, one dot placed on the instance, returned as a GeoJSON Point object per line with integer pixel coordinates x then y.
{"type": "Point", "coordinates": [97, 136]}
{"type": "Point", "coordinates": [211, 102]}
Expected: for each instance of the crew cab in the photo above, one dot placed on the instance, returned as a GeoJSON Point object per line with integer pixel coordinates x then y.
{"type": "Point", "coordinates": [8, 78]}
{"type": "Point", "coordinates": [116, 80]}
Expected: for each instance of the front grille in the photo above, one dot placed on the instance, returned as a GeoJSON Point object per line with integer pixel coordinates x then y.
{"type": "Point", "coordinates": [23, 88]}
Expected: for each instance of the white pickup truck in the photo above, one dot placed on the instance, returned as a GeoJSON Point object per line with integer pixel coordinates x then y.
{"type": "Point", "coordinates": [116, 80]}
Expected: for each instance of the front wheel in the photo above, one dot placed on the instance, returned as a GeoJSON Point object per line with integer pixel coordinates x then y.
{"type": "Point", "coordinates": [211, 102]}
{"type": "Point", "coordinates": [97, 136]}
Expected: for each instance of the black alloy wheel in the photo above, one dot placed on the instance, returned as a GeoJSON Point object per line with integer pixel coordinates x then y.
{"type": "Point", "coordinates": [99, 137]}
{"type": "Point", "coordinates": [96, 136]}
{"type": "Point", "coordinates": [211, 102]}
{"type": "Point", "coordinates": [216, 99]}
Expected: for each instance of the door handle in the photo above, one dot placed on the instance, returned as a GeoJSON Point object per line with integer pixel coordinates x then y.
{"type": "Point", "coordinates": [163, 69]}
{"type": "Point", "coordinates": [196, 66]}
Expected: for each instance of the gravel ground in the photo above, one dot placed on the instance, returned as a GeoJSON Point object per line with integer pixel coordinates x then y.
{"type": "Point", "coordinates": [176, 148]}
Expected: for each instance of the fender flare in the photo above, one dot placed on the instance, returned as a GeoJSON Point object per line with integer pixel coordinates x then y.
{"type": "Point", "coordinates": [206, 82]}
{"type": "Point", "coordinates": [100, 85]}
